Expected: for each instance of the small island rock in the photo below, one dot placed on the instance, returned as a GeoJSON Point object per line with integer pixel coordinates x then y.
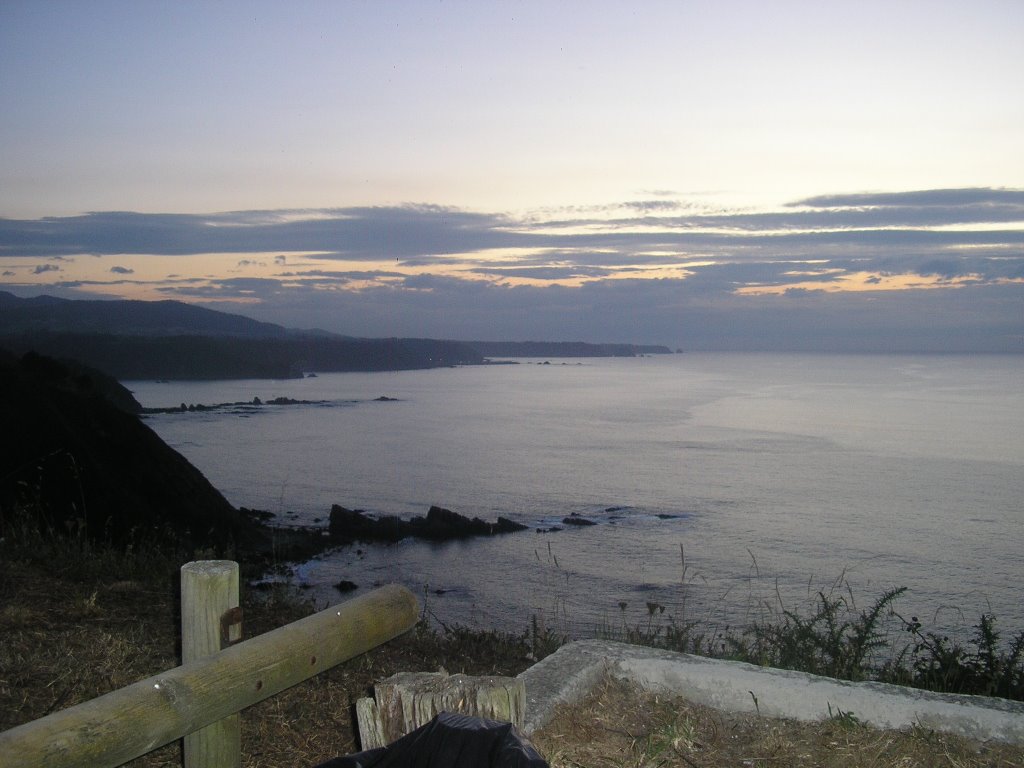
{"type": "Point", "coordinates": [439, 525]}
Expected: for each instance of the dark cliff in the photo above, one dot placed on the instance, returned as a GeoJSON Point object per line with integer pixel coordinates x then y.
{"type": "Point", "coordinates": [73, 458]}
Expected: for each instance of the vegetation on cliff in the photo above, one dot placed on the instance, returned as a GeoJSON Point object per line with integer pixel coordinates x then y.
{"type": "Point", "coordinates": [76, 460]}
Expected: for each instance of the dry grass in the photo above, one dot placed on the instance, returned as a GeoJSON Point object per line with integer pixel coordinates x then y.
{"type": "Point", "coordinates": [64, 640]}
{"type": "Point", "coordinates": [620, 725]}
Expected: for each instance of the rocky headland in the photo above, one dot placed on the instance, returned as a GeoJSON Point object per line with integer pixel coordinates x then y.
{"type": "Point", "coordinates": [78, 459]}
{"type": "Point", "coordinates": [77, 455]}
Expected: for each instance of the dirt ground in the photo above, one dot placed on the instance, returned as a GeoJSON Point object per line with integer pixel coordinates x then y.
{"type": "Point", "coordinates": [620, 725]}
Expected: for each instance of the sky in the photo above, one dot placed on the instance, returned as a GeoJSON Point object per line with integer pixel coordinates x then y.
{"type": "Point", "coordinates": [705, 175]}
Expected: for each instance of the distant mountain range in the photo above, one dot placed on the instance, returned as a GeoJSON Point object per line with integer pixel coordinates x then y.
{"type": "Point", "coordinates": [173, 340]}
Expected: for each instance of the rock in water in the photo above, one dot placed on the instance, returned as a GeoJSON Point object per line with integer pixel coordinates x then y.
{"type": "Point", "coordinates": [575, 519]}
{"type": "Point", "coordinates": [439, 525]}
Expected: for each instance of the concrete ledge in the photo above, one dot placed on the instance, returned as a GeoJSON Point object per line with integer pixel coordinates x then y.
{"type": "Point", "coordinates": [569, 674]}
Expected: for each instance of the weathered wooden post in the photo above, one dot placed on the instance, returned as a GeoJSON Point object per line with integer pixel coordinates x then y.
{"type": "Point", "coordinates": [119, 726]}
{"type": "Point", "coordinates": [211, 620]}
{"type": "Point", "coordinates": [407, 700]}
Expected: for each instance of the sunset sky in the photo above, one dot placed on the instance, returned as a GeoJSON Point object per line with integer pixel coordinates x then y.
{"type": "Point", "coordinates": [710, 175]}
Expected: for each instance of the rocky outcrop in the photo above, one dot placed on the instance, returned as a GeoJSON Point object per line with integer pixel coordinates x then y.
{"type": "Point", "coordinates": [238, 405]}
{"type": "Point", "coordinates": [440, 524]}
{"type": "Point", "coordinates": [576, 519]}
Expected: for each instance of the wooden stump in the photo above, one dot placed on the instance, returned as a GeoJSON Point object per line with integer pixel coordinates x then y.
{"type": "Point", "coordinates": [408, 700]}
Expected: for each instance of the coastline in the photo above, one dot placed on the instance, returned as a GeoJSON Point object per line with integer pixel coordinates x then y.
{"type": "Point", "coordinates": [754, 457]}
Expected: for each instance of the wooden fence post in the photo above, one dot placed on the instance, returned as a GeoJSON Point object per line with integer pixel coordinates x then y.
{"type": "Point", "coordinates": [209, 607]}
{"type": "Point", "coordinates": [112, 729]}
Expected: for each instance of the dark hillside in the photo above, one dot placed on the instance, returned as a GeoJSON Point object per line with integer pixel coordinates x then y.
{"type": "Point", "coordinates": [221, 357]}
{"type": "Point", "coordinates": [69, 454]}
{"type": "Point", "coordinates": [123, 317]}
{"type": "Point", "coordinates": [172, 340]}
{"type": "Point", "coordinates": [72, 375]}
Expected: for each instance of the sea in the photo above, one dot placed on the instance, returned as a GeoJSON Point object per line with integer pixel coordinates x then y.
{"type": "Point", "coordinates": [723, 488]}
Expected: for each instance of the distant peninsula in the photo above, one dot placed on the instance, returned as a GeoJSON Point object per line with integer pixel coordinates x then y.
{"type": "Point", "coordinates": [172, 340]}
{"type": "Point", "coordinates": [563, 349]}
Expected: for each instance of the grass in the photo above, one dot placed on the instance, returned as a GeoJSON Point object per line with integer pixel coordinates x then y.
{"type": "Point", "coordinates": [835, 639]}
{"type": "Point", "coordinates": [619, 725]}
{"type": "Point", "coordinates": [80, 618]}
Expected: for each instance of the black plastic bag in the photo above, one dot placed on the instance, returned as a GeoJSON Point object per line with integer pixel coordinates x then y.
{"type": "Point", "coordinates": [450, 740]}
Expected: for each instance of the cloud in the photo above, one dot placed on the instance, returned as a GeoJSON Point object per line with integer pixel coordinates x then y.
{"type": "Point", "coordinates": [925, 208]}
{"type": "Point", "coordinates": [942, 268]}
{"type": "Point", "coordinates": [799, 292]}
{"type": "Point", "coordinates": [355, 233]}
{"type": "Point", "coordinates": [545, 272]}
{"type": "Point", "coordinates": [903, 220]}
{"type": "Point", "coordinates": [670, 311]}
{"type": "Point", "coordinates": [647, 206]}
{"type": "Point", "coordinates": [229, 288]}
{"type": "Point", "coordinates": [945, 198]}
{"type": "Point", "coordinates": [42, 268]}
{"type": "Point", "coordinates": [654, 269]}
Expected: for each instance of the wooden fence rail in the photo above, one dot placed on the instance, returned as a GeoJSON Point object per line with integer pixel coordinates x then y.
{"type": "Point", "coordinates": [127, 723]}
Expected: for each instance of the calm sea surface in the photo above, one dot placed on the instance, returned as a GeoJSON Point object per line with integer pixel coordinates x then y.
{"type": "Point", "coordinates": [774, 476]}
